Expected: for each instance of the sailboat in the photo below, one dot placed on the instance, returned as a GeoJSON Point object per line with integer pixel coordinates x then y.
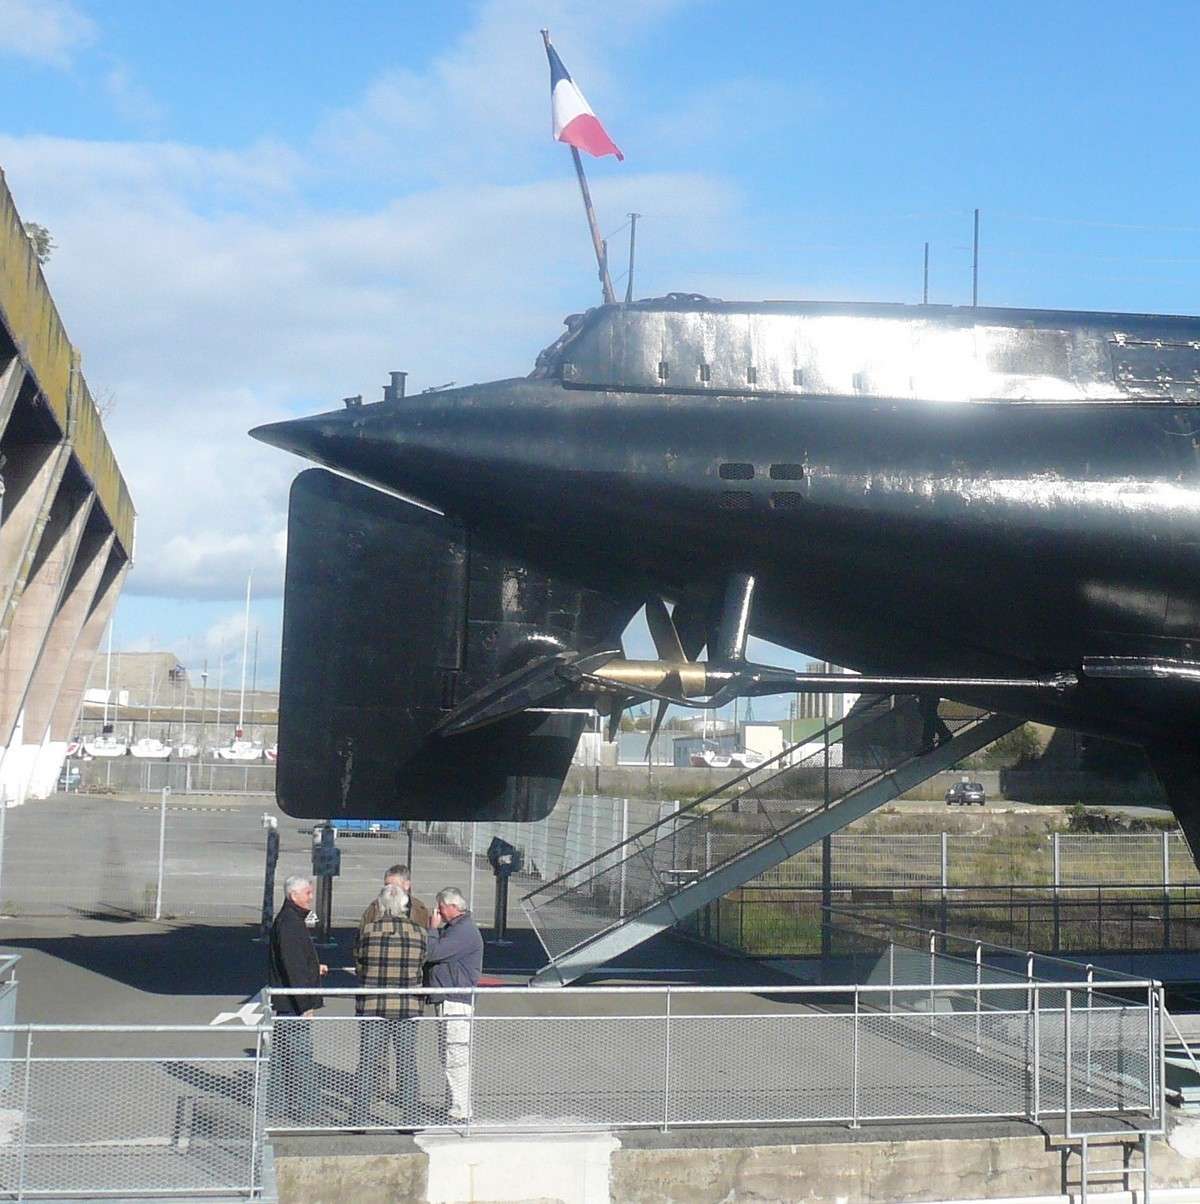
{"type": "Point", "coordinates": [106, 744]}
{"type": "Point", "coordinates": [148, 748]}
{"type": "Point", "coordinates": [239, 748]}
{"type": "Point", "coordinates": [184, 750]}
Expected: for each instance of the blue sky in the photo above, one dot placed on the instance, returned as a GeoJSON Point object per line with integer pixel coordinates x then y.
{"type": "Point", "coordinates": [261, 207]}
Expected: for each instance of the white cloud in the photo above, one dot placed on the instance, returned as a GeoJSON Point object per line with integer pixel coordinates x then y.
{"type": "Point", "coordinates": [210, 292]}
{"type": "Point", "coordinates": [203, 323]}
{"type": "Point", "coordinates": [483, 107]}
{"type": "Point", "coordinates": [44, 31]}
{"type": "Point", "coordinates": [135, 103]}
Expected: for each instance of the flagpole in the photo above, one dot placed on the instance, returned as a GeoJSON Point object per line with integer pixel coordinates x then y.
{"type": "Point", "coordinates": [597, 242]}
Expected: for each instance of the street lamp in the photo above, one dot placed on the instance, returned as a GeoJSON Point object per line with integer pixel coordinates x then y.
{"type": "Point", "coordinates": [203, 703]}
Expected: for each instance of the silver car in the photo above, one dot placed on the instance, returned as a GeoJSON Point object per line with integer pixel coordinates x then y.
{"type": "Point", "coordinates": [965, 793]}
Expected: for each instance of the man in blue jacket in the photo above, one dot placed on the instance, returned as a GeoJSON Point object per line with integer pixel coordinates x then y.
{"type": "Point", "coordinates": [454, 955]}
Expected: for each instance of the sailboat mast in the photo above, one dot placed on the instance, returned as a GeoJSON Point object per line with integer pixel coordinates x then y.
{"type": "Point", "coordinates": [107, 676]}
{"type": "Point", "coordinates": [254, 675]}
{"type": "Point", "coordinates": [245, 648]}
{"type": "Point", "coordinates": [220, 683]}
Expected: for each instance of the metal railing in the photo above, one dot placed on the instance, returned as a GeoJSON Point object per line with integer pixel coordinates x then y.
{"type": "Point", "coordinates": [181, 777]}
{"type": "Point", "coordinates": [936, 1039]}
{"type": "Point", "coordinates": [156, 1110]}
{"type": "Point", "coordinates": [659, 859]}
{"type": "Point", "coordinates": [131, 1110]}
{"type": "Point", "coordinates": [947, 859]}
{"type": "Point", "coordinates": [785, 921]}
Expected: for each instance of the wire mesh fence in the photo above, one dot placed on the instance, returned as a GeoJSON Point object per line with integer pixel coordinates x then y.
{"type": "Point", "coordinates": [924, 1037]}
{"type": "Point", "coordinates": [145, 776]}
{"type": "Point", "coordinates": [128, 1111]}
{"type": "Point", "coordinates": [108, 1110]}
{"type": "Point", "coordinates": [1079, 921]}
{"type": "Point", "coordinates": [181, 859]}
{"type": "Point", "coordinates": [601, 857]}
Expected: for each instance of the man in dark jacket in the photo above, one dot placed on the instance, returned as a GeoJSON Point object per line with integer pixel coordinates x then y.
{"type": "Point", "coordinates": [293, 962]}
{"type": "Point", "coordinates": [455, 959]}
{"type": "Point", "coordinates": [389, 953]}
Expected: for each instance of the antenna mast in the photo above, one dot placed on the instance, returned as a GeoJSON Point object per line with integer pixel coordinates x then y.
{"type": "Point", "coordinates": [245, 647]}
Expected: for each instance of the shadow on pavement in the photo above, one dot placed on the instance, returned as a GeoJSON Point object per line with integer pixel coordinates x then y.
{"type": "Point", "coordinates": [202, 959]}
{"type": "Point", "coordinates": [215, 960]}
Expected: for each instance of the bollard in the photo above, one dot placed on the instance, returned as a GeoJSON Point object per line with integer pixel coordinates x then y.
{"type": "Point", "coordinates": [271, 827]}
{"type": "Point", "coordinates": [327, 865]}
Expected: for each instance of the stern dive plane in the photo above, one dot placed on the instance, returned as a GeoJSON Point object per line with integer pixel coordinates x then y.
{"type": "Point", "coordinates": [998, 506]}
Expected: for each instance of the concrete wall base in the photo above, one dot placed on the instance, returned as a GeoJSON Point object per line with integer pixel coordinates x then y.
{"type": "Point", "coordinates": [1004, 1163]}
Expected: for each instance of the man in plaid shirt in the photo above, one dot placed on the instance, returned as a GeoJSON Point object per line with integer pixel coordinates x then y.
{"type": "Point", "coordinates": [390, 952]}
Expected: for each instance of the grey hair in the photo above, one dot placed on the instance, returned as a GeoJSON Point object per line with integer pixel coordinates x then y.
{"type": "Point", "coordinates": [295, 882]}
{"type": "Point", "coordinates": [454, 897]}
{"type": "Point", "coordinates": [393, 901]}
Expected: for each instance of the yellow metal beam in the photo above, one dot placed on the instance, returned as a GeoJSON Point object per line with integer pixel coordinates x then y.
{"type": "Point", "coordinates": [31, 317]}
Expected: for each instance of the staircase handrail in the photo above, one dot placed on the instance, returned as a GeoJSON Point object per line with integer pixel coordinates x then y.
{"type": "Point", "coordinates": [673, 818]}
{"type": "Point", "coordinates": [848, 913]}
{"type": "Point", "coordinates": [679, 887]}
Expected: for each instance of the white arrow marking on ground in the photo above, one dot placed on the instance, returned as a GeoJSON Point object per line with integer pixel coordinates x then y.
{"type": "Point", "coordinates": [248, 1014]}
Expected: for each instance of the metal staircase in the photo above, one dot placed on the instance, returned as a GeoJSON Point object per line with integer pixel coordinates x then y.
{"type": "Point", "coordinates": [662, 874]}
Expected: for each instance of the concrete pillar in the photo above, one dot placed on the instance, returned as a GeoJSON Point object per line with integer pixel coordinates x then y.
{"type": "Point", "coordinates": [39, 601]}
{"type": "Point", "coordinates": [70, 695]}
{"type": "Point", "coordinates": [32, 475]}
{"type": "Point", "coordinates": [12, 377]}
{"type": "Point", "coordinates": [40, 759]}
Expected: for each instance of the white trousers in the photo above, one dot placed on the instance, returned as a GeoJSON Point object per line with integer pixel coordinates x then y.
{"type": "Point", "coordinates": [456, 1055]}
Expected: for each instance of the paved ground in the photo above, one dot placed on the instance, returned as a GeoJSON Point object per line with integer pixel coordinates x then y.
{"type": "Point", "coordinates": [84, 855]}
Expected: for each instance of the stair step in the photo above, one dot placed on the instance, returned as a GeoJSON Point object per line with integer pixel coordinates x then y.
{"type": "Point", "coordinates": [680, 892]}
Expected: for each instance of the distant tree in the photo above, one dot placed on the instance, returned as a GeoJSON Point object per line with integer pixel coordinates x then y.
{"type": "Point", "coordinates": [43, 245]}
{"type": "Point", "coordinates": [1020, 746]}
{"type": "Point", "coordinates": [106, 402]}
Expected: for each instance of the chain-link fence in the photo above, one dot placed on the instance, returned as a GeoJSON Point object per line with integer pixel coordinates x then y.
{"type": "Point", "coordinates": [1029, 859]}
{"type": "Point", "coordinates": [131, 1110]}
{"type": "Point", "coordinates": [138, 1110]}
{"type": "Point", "coordinates": [925, 1036]}
{"type": "Point", "coordinates": [144, 776]}
{"type": "Point", "coordinates": [180, 860]}
{"type": "Point", "coordinates": [1082, 921]}
{"type": "Point", "coordinates": [213, 857]}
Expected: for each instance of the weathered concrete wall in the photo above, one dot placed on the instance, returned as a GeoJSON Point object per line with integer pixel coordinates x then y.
{"type": "Point", "coordinates": [964, 1162]}
{"type": "Point", "coordinates": [28, 313]}
{"type": "Point", "coordinates": [61, 491]}
{"type": "Point", "coordinates": [1069, 786]}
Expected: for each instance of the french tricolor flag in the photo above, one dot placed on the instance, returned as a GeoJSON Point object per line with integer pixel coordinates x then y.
{"type": "Point", "coordinates": [574, 122]}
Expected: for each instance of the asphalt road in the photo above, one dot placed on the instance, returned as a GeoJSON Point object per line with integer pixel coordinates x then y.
{"type": "Point", "coordinates": [83, 855]}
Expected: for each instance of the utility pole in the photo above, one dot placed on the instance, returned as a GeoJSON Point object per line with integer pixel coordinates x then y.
{"type": "Point", "coordinates": [925, 284]}
{"type": "Point", "coordinates": [975, 266]}
{"type": "Point", "coordinates": [633, 221]}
